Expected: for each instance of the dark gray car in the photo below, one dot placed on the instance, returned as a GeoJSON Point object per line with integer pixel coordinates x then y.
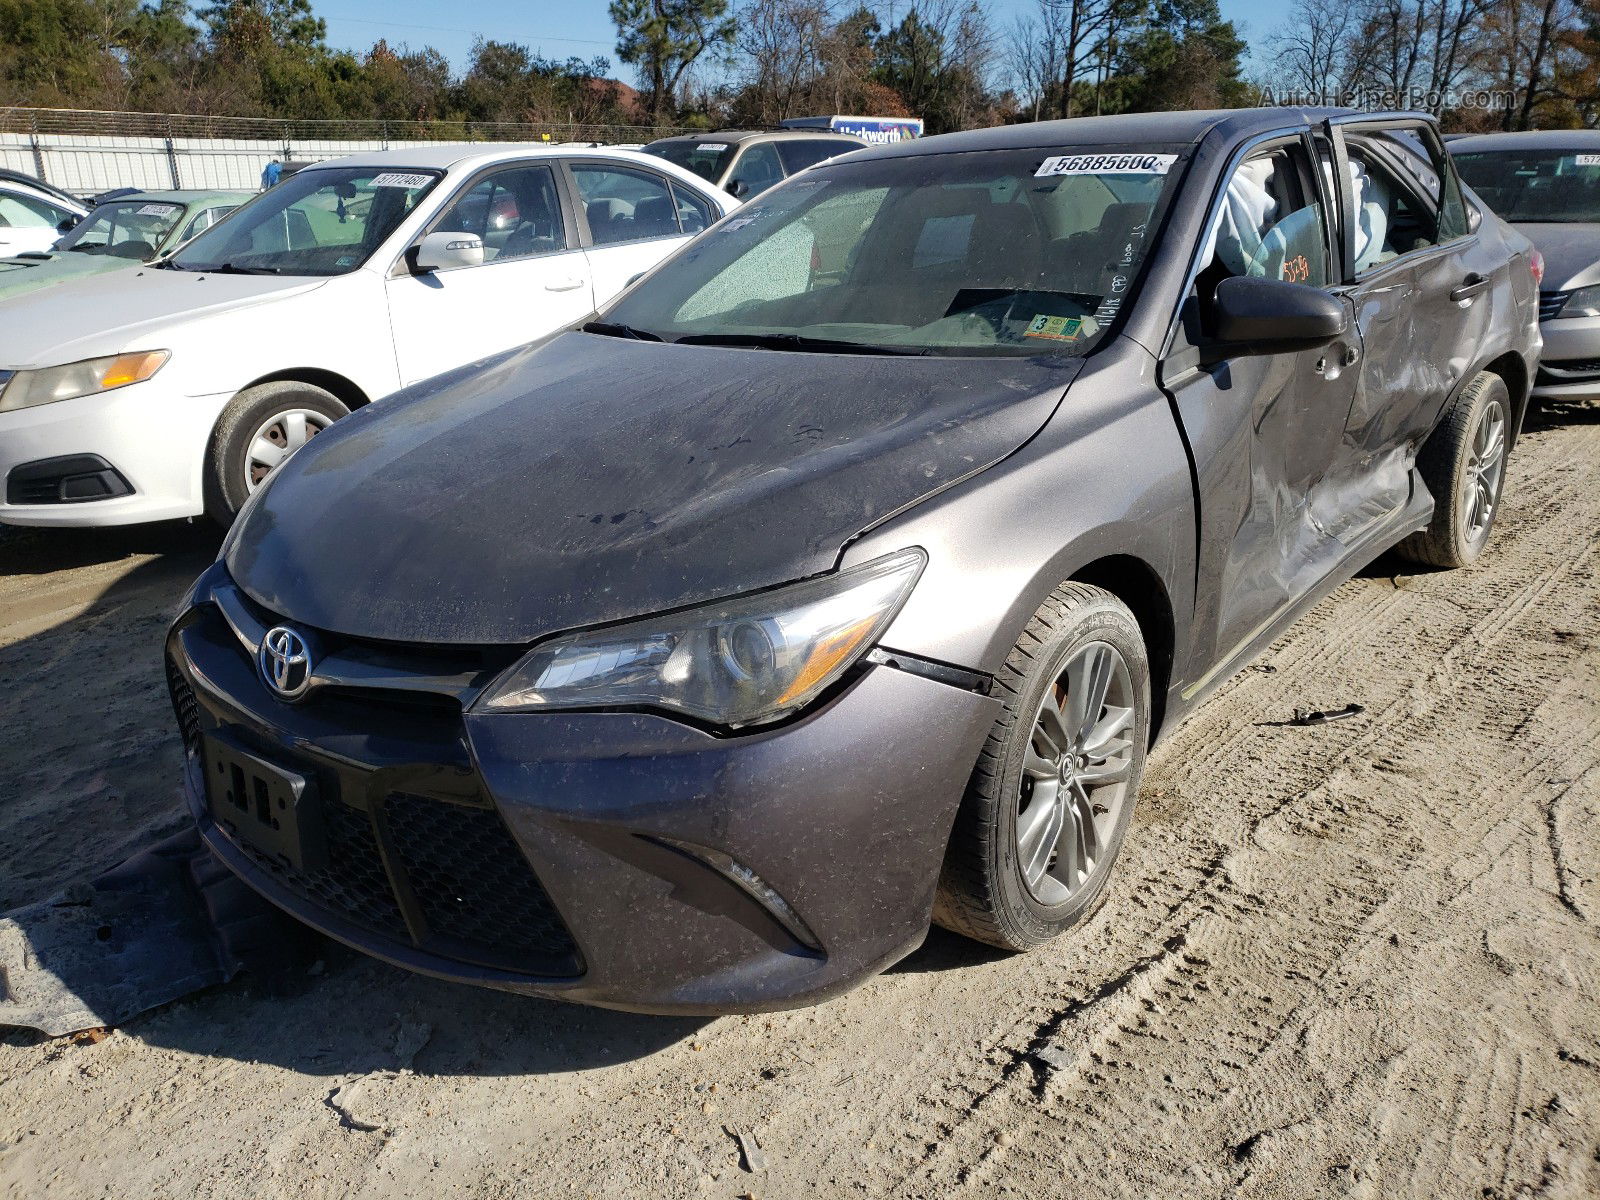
{"type": "Point", "coordinates": [1547, 185]}
{"type": "Point", "coordinates": [840, 576]}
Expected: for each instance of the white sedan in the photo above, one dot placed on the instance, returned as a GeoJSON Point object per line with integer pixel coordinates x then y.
{"type": "Point", "coordinates": [33, 215]}
{"type": "Point", "coordinates": [175, 389]}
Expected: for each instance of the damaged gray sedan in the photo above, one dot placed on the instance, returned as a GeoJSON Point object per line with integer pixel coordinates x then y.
{"type": "Point", "coordinates": [840, 575]}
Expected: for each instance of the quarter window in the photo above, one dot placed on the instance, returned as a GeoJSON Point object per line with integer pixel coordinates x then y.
{"type": "Point", "coordinates": [515, 212]}
{"type": "Point", "coordinates": [625, 205]}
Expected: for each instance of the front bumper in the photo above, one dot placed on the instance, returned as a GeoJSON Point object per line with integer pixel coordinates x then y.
{"type": "Point", "coordinates": [586, 856]}
{"type": "Point", "coordinates": [153, 438]}
{"type": "Point", "coordinates": [1569, 366]}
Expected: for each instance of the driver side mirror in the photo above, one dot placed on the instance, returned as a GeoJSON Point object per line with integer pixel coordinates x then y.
{"type": "Point", "coordinates": [1270, 316]}
{"type": "Point", "coordinates": [443, 251]}
{"type": "Point", "coordinates": [68, 225]}
{"type": "Point", "coordinates": [740, 188]}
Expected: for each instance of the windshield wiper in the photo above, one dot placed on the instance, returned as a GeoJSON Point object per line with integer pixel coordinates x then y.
{"type": "Point", "coordinates": [612, 329]}
{"type": "Point", "coordinates": [232, 269]}
{"type": "Point", "coordinates": [791, 341]}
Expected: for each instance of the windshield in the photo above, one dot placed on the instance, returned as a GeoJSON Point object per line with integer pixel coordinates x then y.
{"type": "Point", "coordinates": [127, 229]}
{"type": "Point", "coordinates": [1535, 185]}
{"type": "Point", "coordinates": [705, 159]}
{"type": "Point", "coordinates": [324, 221]}
{"type": "Point", "coordinates": [996, 252]}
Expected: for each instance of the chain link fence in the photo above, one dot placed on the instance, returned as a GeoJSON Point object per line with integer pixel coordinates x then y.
{"type": "Point", "coordinates": [87, 151]}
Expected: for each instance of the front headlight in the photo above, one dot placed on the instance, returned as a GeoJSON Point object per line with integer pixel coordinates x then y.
{"type": "Point", "coordinates": [30, 388]}
{"type": "Point", "coordinates": [1585, 302]}
{"type": "Point", "coordinates": [732, 663]}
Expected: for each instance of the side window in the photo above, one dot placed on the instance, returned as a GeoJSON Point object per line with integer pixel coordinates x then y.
{"type": "Point", "coordinates": [26, 212]}
{"type": "Point", "coordinates": [515, 211]}
{"type": "Point", "coordinates": [694, 214]}
{"type": "Point", "coordinates": [758, 169]}
{"type": "Point", "coordinates": [1386, 213]}
{"type": "Point", "coordinates": [800, 153]}
{"type": "Point", "coordinates": [1270, 225]}
{"type": "Point", "coordinates": [204, 220]}
{"type": "Point", "coordinates": [624, 204]}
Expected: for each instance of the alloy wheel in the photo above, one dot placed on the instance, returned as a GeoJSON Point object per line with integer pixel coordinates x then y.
{"type": "Point", "coordinates": [1484, 473]}
{"type": "Point", "coordinates": [279, 436]}
{"type": "Point", "coordinates": [1075, 774]}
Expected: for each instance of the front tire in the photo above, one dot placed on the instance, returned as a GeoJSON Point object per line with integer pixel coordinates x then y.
{"type": "Point", "coordinates": [1464, 465]}
{"type": "Point", "coordinates": [260, 428]}
{"type": "Point", "coordinates": [1051, 798]}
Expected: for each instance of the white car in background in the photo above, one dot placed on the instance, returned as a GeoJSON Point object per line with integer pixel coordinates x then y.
{"type": "Point", "coordinates": [33, 215]}
{"type": "Point", "coordinates": [175, 389]}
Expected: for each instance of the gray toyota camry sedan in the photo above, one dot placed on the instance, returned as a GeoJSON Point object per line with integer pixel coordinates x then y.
{"type": "Point", "coordinates": [839, 576]}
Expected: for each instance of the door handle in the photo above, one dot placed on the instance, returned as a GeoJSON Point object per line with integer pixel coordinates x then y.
{"type": "Point", "coordinates": [1470, 287]}
{"type": "Point", "coordinates": [563, 285]}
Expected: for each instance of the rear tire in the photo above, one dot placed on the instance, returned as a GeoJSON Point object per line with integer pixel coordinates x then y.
{"type": "Point", "coordinates": [260, 428]}
{"type": "Point", "coordinates": [1464, 465]}
{"type": "Point", "coordinates": [1018, 872]}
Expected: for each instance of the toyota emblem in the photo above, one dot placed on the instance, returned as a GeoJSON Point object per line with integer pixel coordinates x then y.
{"type": "Point", "coordinates": [285, 662]}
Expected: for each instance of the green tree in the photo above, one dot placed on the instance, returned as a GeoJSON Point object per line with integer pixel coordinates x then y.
{"type": "Point", "coordinates": [1183, 56]}
{"type": "Point", "coordinates": [664, 38]}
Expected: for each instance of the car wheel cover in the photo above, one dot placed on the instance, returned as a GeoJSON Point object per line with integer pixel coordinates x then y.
{"type": "Point", "coordinates": [1076, 770]}
{"type": "Point", "coordinates": [279, 436]}
{"type": "Point", "coordinates": [1485, 470]}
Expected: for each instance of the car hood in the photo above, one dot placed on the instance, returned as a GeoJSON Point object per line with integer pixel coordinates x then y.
{"type": "Point", "coordinates": [1571, 252]}
{"type": "Point", "coordinates": [589, 479]}
{"type": "Point", "coordinates": [88, 317]}
{"type": "Point", "coordinates": [20, 275]}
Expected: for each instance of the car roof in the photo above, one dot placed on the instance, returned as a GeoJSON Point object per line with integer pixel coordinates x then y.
{"type": "Point", "coordinates": [1536, 139]}
{"type": "Point", "coordinates": [469, 157]}
{"type": "Point", "coordinates": [185, 196]}
{"type": "Point", "coordinates": [1155, 128]}
{"type": "Point", "coordinates": [750, 135]}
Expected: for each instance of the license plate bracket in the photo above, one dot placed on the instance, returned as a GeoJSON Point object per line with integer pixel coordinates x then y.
{"type": "Point", "coordinates": [269, 808]}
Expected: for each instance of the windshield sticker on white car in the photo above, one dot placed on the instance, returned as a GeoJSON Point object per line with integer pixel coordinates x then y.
{"type": "Point", "coordinates": [404, 181]}
{"type": "Point", "coordinates": [1107, 164]}
{"type": "Point", "coordinates": [1056, 329]}
{"type": "Point", "coordinates": [157, 210]}
{"type": "Point", "coordinates": [1589, 160]}
{"type": "Point", "coordinates": [713, 145]}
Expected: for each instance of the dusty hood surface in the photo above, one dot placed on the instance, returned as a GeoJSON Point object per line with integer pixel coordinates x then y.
{"type": "Point", "coordinates": [20, 275]}
{"type": "Point", "coordinates": [1571, 252]}
{"type": "Point", "coordinates": [83, 318]}
{"type": "Point", "coordinates": [590, 479]}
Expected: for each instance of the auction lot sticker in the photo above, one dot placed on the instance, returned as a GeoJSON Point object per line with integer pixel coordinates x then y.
{"type": "Point", "coordinates": [405, 181]}
{"type": "Point", "coordinates": [1107, 164]}
{"type": "Point", "coordinates": [157, 210]}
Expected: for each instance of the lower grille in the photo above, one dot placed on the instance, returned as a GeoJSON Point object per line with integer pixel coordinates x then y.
{"type": "Point", "coordinates": [1574, 370]}
{"type": "Point", "coordinates": [185, 706]}
{"type": "Point", "coordinates": [472, 883]}
{"type": "Point", "coordinates": [354, 883]}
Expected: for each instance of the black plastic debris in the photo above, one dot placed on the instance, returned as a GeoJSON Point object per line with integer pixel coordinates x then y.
{"type": "Point", "coordinates": [167, 922]}
{"type": "Point", "coordinates": [1307, 716]}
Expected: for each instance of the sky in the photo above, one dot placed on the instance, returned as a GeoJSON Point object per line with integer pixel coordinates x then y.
{"type": "Point", "coordinates": [579, 28]}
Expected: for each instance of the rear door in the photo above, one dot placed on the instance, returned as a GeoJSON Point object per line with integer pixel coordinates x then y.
{"type": "Point", "coordinates": [534, 278]}
{"type": "Point", "coordinates": [1419, 286]}
{"type": "Point", "coordinates": [630, 218]}
{"type": "Point", "coordinates": [1262, 428]}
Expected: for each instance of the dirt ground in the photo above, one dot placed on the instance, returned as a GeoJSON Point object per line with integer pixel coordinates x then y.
{"type": "Point", "coordinates": [1355, 960]}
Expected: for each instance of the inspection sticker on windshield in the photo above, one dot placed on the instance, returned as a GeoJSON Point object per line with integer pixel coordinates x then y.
{"type": "Point", "coordinates": [1057, 329]}
{"type": "Point", "coordinates": [157, 210]}
{"type": "Point", "coordinates": [405, 181]}
{"type": "Point", "coordinates": [1107, 164]}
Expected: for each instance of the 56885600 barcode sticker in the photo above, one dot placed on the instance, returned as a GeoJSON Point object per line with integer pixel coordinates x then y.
{"type": "Point", "coordinates": [393, 179]}
{"type": "Point", "coordinates": [1107, 164]}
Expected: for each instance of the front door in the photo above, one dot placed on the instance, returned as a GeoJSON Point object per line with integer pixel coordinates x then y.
{"type": "Point", "coordinates": [1417, 284]}
{"type": "Point", "coordinates": [534, 279]}
{"type": "Point", "coordinates": [1263, 428]}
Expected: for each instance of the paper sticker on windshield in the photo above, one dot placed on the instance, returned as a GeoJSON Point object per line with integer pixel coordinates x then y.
{"type": "Point", "coordinates": [405, 181]}
{"type": "Point", "coordinates": [713, 145]}
{"type": "Point", "coordinates": [1589, 160]}
{"type": "Point", "coordinates": [157, 210]}
{"type": "Point", "coordinates": [1057, 329]}
{"type": "Point", "coordinates": [1107, 164]}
